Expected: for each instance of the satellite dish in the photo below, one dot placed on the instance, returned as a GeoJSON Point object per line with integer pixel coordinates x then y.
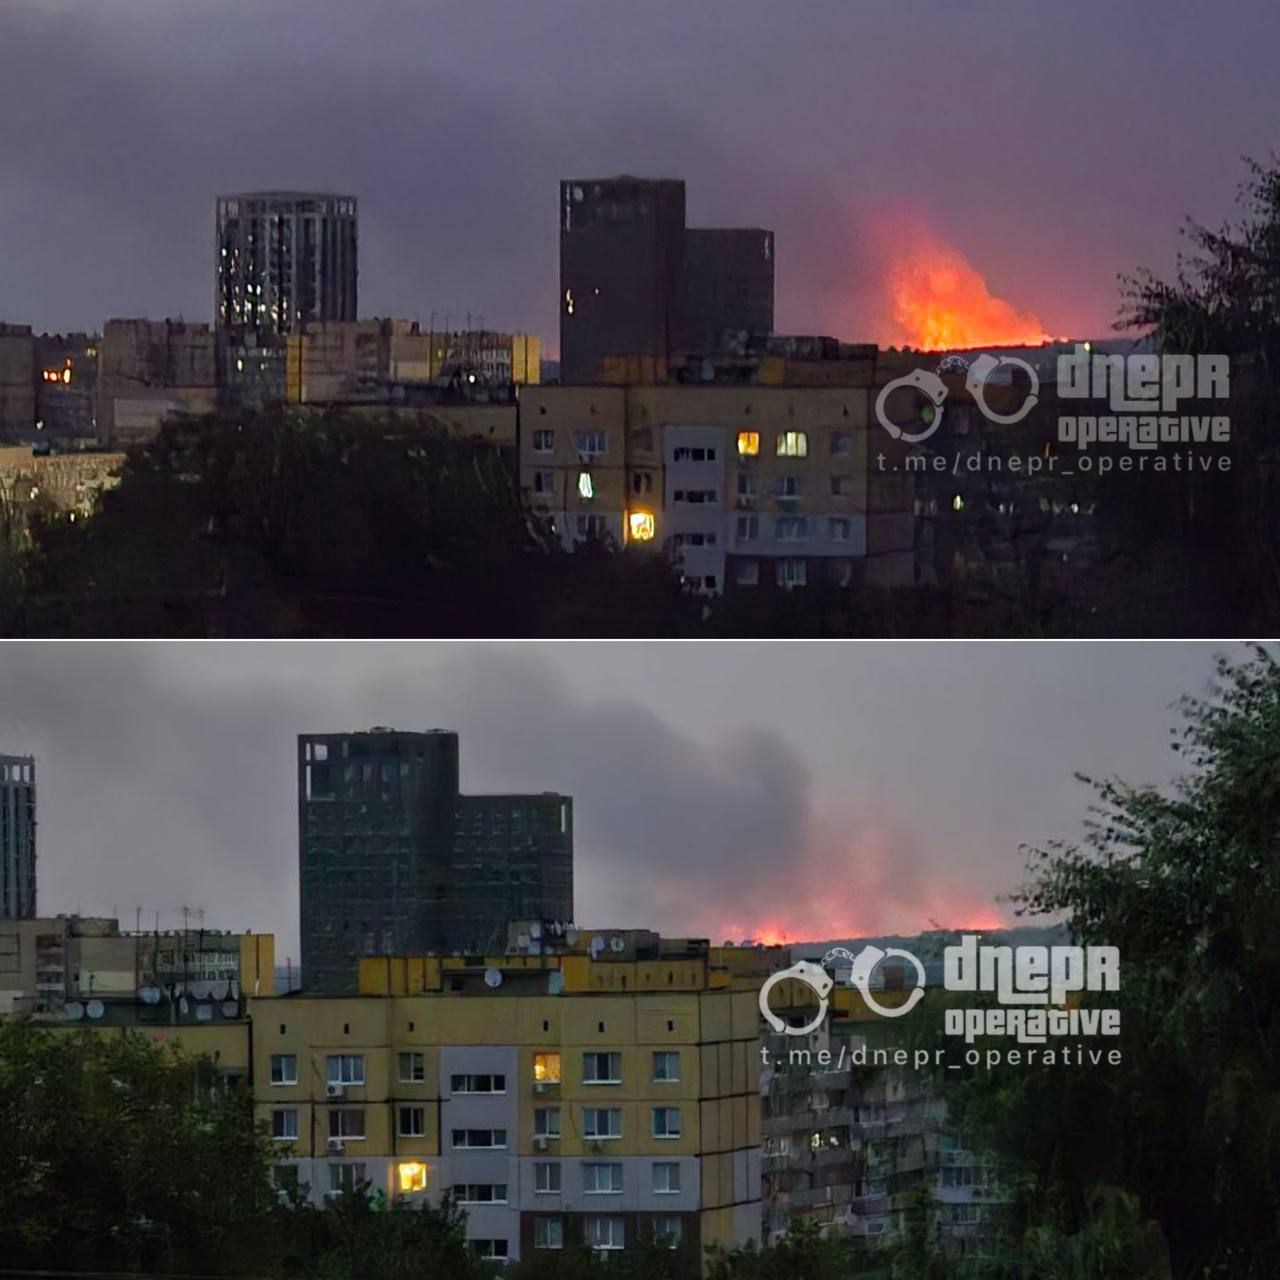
{"type": "Point", "coordinates": [182, 1005]}
{"type": "Point", "coordinates": [149, 995]}
{"type": "Point", "coordinates": [597, 946]}
{"type": "Point", "coordinates": [618, 943]}
{"type": "Point", "coordinates": [73, 1009]}
{"type": "Point", "coordinates": [230, 1009]}
{"type": "Point", "coordinates": [535, 930]}
{"type": "Point", "coordinates": [493, 977]}
{"type": "Point", "coordinates": [555, 983]}
{"type": "Point", "coordinates": [95, 1008]}
{"type": "Point", "coordinates": [535, 948]}
{"type": "Point", "coordinates": [204, 1013]}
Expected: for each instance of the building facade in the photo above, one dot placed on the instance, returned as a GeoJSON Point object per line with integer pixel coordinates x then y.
{"type": "Point", "coordinates": [88, 971]}
{"type": "Point", "coordinates": [604, 1095]}
{"type": "Point", "coordinates": [395, 860]}
{"type": "Point", "coordinates": [744, 486]}
{"type": "Point", "coordinates": [638, 289]}
{"type": "Point", "coordinates": [149, 370]}
{"type": "Point", "coordinates": [17, 837]}
{"type": "Point", "coordinates": [622, 273]}
{"type": "Point", "coordinates": [730, 274]}
{"type": "Point", "coordinates": [284, 260]}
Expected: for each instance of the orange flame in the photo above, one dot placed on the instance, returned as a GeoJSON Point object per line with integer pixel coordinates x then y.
{"type": "Point", "coordinates": [940, 302]}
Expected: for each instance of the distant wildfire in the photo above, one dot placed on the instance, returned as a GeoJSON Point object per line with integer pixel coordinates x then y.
{"type": "Point", "coordinates": [939, 301]}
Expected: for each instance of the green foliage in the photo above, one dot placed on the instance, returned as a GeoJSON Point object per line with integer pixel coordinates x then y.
{"type": "Point", "coordinates": [279, 523]}
{"type": "Point", "coordinates": [1170, 1163]}
{"type": "Point", "coordinates": [115, 1153]}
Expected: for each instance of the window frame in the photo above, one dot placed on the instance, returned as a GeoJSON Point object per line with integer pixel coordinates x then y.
{"type": "Point", "coordinates": [281, 1058]}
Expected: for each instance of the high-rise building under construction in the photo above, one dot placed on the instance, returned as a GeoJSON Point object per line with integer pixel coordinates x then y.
{"type": "Point", "coordinates": [394, 860]}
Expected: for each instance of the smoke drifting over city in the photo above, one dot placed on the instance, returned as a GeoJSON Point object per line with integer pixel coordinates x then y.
{"type": "Point", "coordinates": [727, 794]}
{"type": "Point", "coordinates": [1012, 133]}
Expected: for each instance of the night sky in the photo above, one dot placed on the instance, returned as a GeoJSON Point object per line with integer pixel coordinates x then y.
{"type": "Point", "coordinates": [722, 790]}
{"type": "Point", "coordinates": [1053, 145]}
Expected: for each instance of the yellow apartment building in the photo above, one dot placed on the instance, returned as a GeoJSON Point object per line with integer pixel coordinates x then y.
{"type": "Point", "coordinates": [606, 1093]}
{"type": "Point", "coordinates": [742, 485]}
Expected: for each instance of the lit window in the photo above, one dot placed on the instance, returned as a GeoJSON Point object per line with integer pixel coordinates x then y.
{"type": "Point", "coordinates": [412, 1176]}
{"type": "Point", "coordinates": [641, 525]}
{"type": "Point", "coordinates": [957, 503]}
{"type": "Point", "coordinates": [546, 1067]}
{"type": "Point", "coordinates": [585, 488]}
{"type": "Point", "coordinates": [748, 444]}
{"type": "Point", "coordinates": [793, 444]}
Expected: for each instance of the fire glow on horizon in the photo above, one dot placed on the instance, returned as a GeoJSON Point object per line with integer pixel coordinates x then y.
{"type": "Point", "coordinates": [774, 933]}
{"type": "Point", "coordinates": [939, 301]}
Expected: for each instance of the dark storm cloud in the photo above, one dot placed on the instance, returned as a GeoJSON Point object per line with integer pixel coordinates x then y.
{"type": "Point", "coordinates": [719, 789]}
{"type": "Point", "coordinates": [1054, 145]}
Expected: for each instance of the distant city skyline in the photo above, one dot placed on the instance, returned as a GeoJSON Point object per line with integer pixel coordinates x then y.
{"type": "Point", "coordinates": [1050, 148]}
{"type": "Point", "coordinates": [724, 791]}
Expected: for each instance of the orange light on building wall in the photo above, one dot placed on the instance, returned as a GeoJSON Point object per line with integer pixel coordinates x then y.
{"type": "Point", "coordinates": [412, 1175]}
{"type": "Point", "coordinates": [546, 1068]}
{"type": "Point", "coordinates": [641, 525]}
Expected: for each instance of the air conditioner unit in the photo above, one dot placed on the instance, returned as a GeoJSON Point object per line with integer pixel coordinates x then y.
{"type": "Point", "coordinates": [335, 1090]}
{"type": "Point", "coordinates": [335, 1144]}
{"type": "Point", "coordinates": [540, 1142]}
{"type": "Point", "coordinates": [541, 1086]}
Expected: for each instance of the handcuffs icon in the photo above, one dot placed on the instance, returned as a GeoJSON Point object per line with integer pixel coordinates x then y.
{"type": "Point", "coordinates": [816, 977]}
{"type": "Point", "coordinates": [935, 390]}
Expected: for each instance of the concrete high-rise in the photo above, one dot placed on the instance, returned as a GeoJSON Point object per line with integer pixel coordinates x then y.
{"type": "Point", "coordinates": [394, 860]}
{"type": "Point", "coordinates": [622, 274]}
{"type": "Point", "coordinates": [637, 287]}
{"type": "Point", "coordinates": [285, 259]}
{"type": "Point", "coordinates": [730, 274]}
{"type": "Point", "coordinates": [17, 837]}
